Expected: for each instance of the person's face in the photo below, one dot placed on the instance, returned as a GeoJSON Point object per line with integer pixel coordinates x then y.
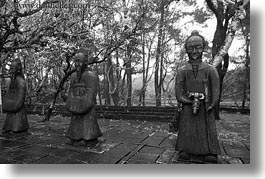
{"type": "Point", "coordinates": [195, 50]}
{"type": "Point", "coordinates": [79, 59]}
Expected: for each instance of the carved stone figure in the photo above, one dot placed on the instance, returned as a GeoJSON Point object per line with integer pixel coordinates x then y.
{"type": "Point", "coordinates": [197, 88]}
{"type": "Point", "coordinates": [81, 101]}
{"type": "Point", "coordinates": [13, 102]}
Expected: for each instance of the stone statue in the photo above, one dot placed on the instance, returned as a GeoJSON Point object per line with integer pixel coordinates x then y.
{"type": "Point", "coordinates": [81, 101]}
{"type": "Point", "coordinates": [197, 88]}
{"type": "Point", "coordinates": [13, 102]}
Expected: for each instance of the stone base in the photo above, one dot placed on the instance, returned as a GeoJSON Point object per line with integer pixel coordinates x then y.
{"type": "Point", "coordinates": [196, 159]}
{"type": "Point", "coordinates": [85, 143]}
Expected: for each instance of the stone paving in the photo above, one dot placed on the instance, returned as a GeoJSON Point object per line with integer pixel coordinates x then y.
{"type": "Point", "coordinates": [123, 142]}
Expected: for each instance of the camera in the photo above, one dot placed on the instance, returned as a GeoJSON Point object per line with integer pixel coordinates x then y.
{"type": "Point", "coordinates": [196, 97]}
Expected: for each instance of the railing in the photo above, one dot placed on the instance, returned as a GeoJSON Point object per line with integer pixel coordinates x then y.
{"type": "Point", "coordinates": [165, 113]}
{"type": "Point", "coordinates": [115, 112]}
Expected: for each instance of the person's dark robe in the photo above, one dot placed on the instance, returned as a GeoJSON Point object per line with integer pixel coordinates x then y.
{"type": "Point", "coordinates": [81, 103]}
{"type": "Point", "coordinates": [13, 105]}
{"type": "Point", "coordinates": [197, 133]}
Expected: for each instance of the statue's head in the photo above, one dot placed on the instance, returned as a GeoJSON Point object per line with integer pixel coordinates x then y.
{"type": "Point", "coordinates": [195, 45]}
{"type": "Point", "coordinates": [16, 67]}
{"type": "Point", "coordinates": [80, 59]}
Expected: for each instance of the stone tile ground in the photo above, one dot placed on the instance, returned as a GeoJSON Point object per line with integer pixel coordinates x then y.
{"type": "Point", "coordinates": [123, 142]}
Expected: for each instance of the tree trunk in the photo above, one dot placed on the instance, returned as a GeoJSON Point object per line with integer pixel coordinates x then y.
{"type": "Point", "coordinates": [158, 62]}
{"type": "Point", "coordinates": [222, 17]}
{"type": "Point", "coordinates": [43, 80]}
{"type": "Point", "coordinates": [222, 54]}
{"type": "Point", "coordinates": [129, 76]}
{"type": "Point", "coordinates": [246, 85]}
{"type": "Point", "coordinates": [123, 88]}
{"type": "Point", "coordinates": [111, 82]}
{"type": "Point", "coordinates": [143, 90]}
{"type": "Point", "coordinates": [99, 89]}
{"type": "Point", "coordinates": [116, 92]}
{"type": "Point", "coordinates": [218, 40]}
{"type": "Point", "coordinates": [1, 107]}
{"type": "Point", "coordinates": [59, 89]}
{"type": "Point", "coordinates": [107, 96]}
{"type": "Point", "coordinates": [142, 93]}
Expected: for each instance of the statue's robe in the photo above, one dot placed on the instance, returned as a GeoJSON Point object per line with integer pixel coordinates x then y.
{"type": "Point", "coordinates": [81, 103]}
{"type": "Point", "coordinates": [197, 133]}
{"type": "Point", "coordinates": [13, 105]}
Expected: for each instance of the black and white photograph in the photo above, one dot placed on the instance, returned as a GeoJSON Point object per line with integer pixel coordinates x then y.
{"type": "Point", "coordinates": [160, 82]}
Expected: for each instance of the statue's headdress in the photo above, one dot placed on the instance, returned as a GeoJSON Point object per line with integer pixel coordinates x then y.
{"type": "Point", "coordinates": [18, 64]}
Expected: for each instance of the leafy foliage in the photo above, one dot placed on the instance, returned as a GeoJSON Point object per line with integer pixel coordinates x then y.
{"type": "Point", "coordinates": [120, 35]}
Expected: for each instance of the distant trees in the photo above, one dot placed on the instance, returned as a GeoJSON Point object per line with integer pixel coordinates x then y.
{"type": "Point", "coordinates": [234, 87]}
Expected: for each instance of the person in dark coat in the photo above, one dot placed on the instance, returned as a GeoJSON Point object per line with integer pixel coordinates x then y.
{"type": "Point", "coordinates": [81, 101]}
{"type": "Point", "coordinates": [197, 88]}
{"type": "Point", "coordinates": [13, 102]}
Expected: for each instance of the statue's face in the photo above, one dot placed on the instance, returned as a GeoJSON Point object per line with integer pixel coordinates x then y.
{"type": "Point", "coordinates": [14, 68]}
{"type": "Point", "coordinates": [194, 47]}
{"type": "Point", "coordinates": [79, 59]}
{"type": "Point", "coordinates": [195, 50]}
